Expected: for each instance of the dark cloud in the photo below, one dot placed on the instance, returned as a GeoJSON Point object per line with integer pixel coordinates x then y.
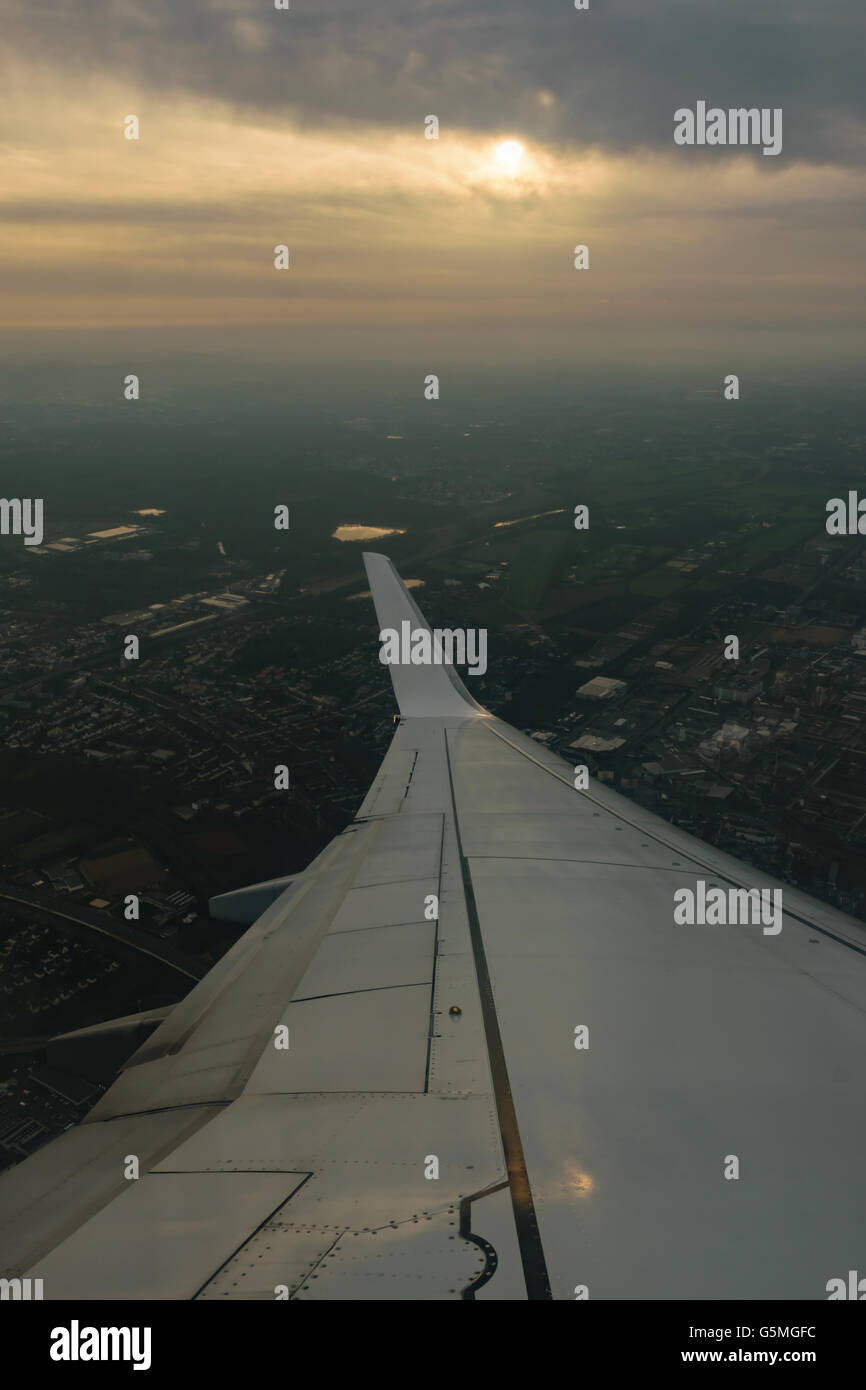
{"type": "Point", "coordinates": [616, 72]}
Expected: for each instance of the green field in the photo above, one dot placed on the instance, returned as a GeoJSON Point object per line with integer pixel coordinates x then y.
{"type": "Point", "coordinates": [659, 582]}
{"type": "Point", "coordinates": [49, 845]}
{"type": "Point", "coordinates": [19, 826]}
{"type": "Point", "coordinates": [534, 562]}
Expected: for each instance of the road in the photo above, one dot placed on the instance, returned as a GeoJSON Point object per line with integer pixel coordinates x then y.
{"type": "Point", "coordinates": [40, 905]}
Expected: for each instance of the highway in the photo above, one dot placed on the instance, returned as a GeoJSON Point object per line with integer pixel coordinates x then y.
{"type": "Point", "coordinates": [88, 920]}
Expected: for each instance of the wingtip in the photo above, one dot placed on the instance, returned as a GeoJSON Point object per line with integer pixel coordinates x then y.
{"type": "Point", "coordinates": [373, 559]}
{"type": "Point", "coordinates": [420, 690]}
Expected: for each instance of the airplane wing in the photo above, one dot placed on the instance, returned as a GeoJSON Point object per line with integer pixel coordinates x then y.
{"type": "Point", "coordinates": [470, 1053]}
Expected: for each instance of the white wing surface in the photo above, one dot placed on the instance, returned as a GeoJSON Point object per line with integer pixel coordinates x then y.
{"type": "Point", "coordinates": [542, 1090]}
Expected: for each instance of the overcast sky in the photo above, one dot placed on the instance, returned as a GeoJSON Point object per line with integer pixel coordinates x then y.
{"type": "Point", "coordinates": [307, 127]}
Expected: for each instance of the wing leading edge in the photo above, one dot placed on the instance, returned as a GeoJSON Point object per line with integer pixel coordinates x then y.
{"type": "Point", "coordinates": [432, 1129]}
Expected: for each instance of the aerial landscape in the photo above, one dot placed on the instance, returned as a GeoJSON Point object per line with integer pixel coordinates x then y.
{"type": "Point", "coordinates": [605, 645]}
{"type": "Point", "coordinates": [539, 327]}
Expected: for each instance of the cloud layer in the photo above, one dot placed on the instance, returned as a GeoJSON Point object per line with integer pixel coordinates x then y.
{"type": "Point", "coordinates": [610, 76]}
{"type": "Point", "coordinates": [306, 127]}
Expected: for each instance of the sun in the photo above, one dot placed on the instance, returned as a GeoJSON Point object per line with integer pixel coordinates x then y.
{"type": "Point", "coordinates": [508, 156]}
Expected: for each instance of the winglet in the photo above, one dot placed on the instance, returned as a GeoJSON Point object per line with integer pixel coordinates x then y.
{"type": "Point", "coordinates": [422, 692]}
